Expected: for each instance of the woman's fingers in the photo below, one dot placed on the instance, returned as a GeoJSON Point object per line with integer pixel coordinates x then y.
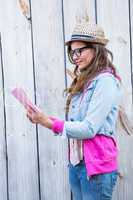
{"type": "Point", "coordinates": [35, 117]}
{"type": "Point", "coordinates": [30, 116]}
{"type": "Point", "coordinates": [30, 110]}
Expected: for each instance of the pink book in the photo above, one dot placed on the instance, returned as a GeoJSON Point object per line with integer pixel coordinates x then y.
{"type": "Point", "coordinates": [22, 97]}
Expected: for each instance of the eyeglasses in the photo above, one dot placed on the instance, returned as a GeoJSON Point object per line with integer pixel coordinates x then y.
{"type": "Point", "coordinates": [78, 52]}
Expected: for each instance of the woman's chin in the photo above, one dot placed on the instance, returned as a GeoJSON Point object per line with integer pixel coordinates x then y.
{"type": "Point", "coordinates": [81, 67]}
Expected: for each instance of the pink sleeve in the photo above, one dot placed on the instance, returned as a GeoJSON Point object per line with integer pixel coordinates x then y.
{"type": "Point", "coordinates": [58, 125]}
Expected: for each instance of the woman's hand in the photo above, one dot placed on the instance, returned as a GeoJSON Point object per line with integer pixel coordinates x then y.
{"type": "Point", "coordinates": [39, 118]}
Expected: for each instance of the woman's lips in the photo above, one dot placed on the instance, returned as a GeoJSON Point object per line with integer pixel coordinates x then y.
{"type": "Point", "coordinates": [78, 63]}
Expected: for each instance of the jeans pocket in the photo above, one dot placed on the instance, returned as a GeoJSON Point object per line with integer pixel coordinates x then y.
{"type": "Point", "coordinates": [114, 178]}
{"type": "Point", "coordinates": [94, 178]}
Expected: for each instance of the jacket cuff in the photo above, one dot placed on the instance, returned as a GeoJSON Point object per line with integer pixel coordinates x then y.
{"type": "Point", "coordinates": [57, 126]}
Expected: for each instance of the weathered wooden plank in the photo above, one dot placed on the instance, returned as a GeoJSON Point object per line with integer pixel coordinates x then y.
{"type": "Point", "coordinates": [75, 10]}
{"type": "Point", "coordinates": [49, 62]}
{"type": "Point", "coordinates": [114, 17]}
{"type": "Point", "coordinates": [131, 37]}
{"type": "Point", "coordinates": [18, 71]}
{"type": "Point", "coordinates": [3, 167]}
{"type": "Point", "coordinates": [50, 83]}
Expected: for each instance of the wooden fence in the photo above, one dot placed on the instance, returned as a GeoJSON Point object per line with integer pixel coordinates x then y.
{"type": "Point", "coordinates": [33, 163]}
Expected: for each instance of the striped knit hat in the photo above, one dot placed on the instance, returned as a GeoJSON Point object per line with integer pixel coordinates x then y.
{"type": "Point", "coordinates": [89, 33]}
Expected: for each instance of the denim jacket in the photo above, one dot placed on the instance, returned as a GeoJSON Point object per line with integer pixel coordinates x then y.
{"type": "Point", "coordinates": [92, 118]}
{"type": "Point", "coordinates": [96, 111]}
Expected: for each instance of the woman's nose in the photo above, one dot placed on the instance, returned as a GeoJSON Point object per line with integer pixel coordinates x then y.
{"type": "Point", "coordinates": [75, 57]}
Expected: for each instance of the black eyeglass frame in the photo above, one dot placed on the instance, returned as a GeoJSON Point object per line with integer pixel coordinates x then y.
{"type": "Point", "coordinates": [78, 52]}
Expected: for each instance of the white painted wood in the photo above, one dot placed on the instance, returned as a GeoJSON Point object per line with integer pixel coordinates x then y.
{"type": "Point", "coordinates": [50, 82]}
{"type": "Point", "coordinates": [74, 11]}
{"type": "Point", "coordinates": [3, 175]}
{"type": "Point", "coordinates": [114, 17]}
{"type": "Point", "coordinates": [18, 71]}
{"type": "Point", "coordinates": [131, 18]}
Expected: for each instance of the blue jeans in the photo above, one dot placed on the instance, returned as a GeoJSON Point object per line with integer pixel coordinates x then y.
{"type": "Point", "coordinates": [98, 187]}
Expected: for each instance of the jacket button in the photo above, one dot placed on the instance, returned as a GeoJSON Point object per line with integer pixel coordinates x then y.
{"type": "Point", "coordinates": [111, 132]}
{"type": "Point", "coordinates": [73, 106]}
{"type": "Point", "coordinates": [71, 119]}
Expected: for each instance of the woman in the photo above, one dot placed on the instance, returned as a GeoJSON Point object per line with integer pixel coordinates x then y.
{"type": "Point", "coordinates": [92, 107]}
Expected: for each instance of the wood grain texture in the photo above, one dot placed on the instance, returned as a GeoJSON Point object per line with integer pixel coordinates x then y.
{"type": "Point", "coordinates": [50, 83]}
{"type": "Point", "coordinates": [3, 164]}
{"type": "Point", "coordinates": [33, 34]}
{"type": "Point", "coordinates": [21, 135]}
{"type": "Point", "coordinates": [131, 39]}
